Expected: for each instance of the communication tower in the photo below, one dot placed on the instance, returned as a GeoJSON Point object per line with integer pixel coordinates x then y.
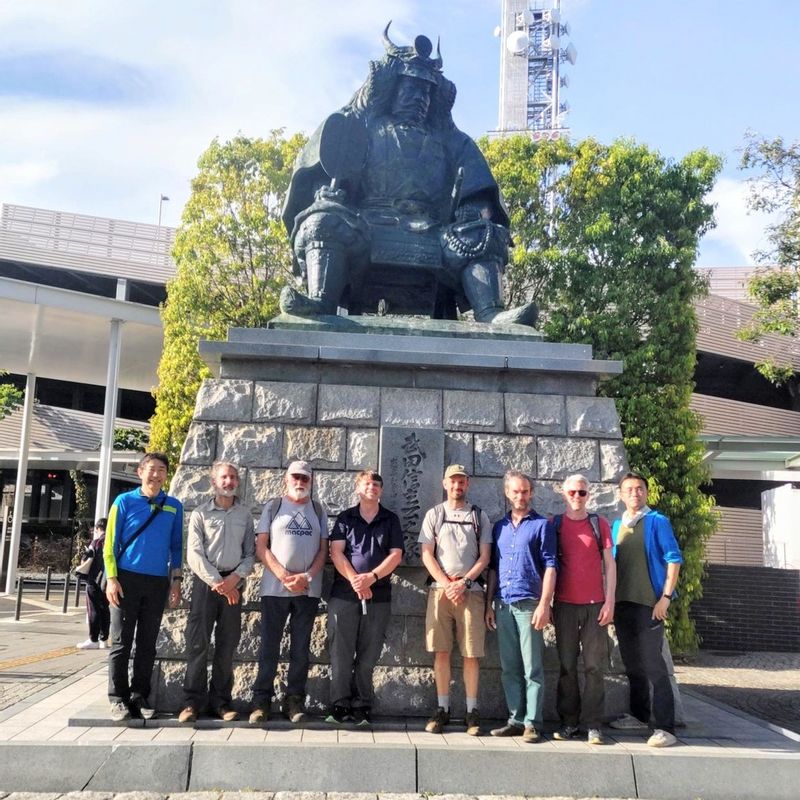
{"type": "Point", "coordinates": [532, 50]}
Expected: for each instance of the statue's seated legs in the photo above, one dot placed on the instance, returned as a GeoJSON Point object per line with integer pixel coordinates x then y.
{"type": "Point", "coordinates": [482, 284]}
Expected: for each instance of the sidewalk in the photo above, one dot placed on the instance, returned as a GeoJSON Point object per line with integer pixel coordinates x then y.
{"type": "Point", "coordinates": [64, 732]}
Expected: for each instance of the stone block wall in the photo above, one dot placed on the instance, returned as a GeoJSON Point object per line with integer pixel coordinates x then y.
{"type": "Point", "coordinates": [263, 425]}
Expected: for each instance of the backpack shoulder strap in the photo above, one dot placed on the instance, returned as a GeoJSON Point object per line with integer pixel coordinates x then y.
{"type": "Point", "coordinates": [317, 506]}
{"type": "Point", "coordinates": [438, 519]}
{"type": "Point", "coordinates": [476, 521]}
{"type": "Point", "coordinates": [594, 521]}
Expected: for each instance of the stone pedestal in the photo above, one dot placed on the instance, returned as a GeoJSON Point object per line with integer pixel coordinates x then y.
{"type": "Point", "coordinates": [408, 401]}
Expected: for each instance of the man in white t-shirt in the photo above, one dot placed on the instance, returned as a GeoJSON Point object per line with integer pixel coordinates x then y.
{"type": "Point", "coordinates": [456, 540]}
{"type": "Point", "coordinates": [292, 544]}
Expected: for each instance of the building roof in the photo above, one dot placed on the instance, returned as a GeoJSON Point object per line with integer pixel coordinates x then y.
{"type": "Point", "coordinates": [63, 436]}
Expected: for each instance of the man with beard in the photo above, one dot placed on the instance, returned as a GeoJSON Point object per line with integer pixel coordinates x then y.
{"type": "Point", "coordinates": [456, 541]}
{"type": "Point", "coordinates": [292, 544]}
{"type": "Point", "coordinates": [392, 198]}
{"type": "Point", "coordinates": [220, 551]}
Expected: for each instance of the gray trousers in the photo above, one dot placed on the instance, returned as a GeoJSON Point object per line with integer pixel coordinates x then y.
{"type": "Point", "coordinates": [577, 630]}
{"type": "Point", "coordinates": [355, 641]}
{"type": "Point", "coordinates": [210, 612]}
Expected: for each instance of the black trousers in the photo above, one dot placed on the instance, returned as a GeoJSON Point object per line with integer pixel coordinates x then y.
{"type": "Point", "coordinates": [97, 612]}
{"type": "Point", "coordinates": [139, 614]}
{"type": "Point", "coordinates": [641, 639]}
{"type": "Point", "coordinates": [301, 611]}
{"type": "Point", "coordinates": [209, 613]}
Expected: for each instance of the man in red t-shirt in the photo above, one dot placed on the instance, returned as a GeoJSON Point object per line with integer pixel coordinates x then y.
{"type": "Point", "coordinates": [584, 605]}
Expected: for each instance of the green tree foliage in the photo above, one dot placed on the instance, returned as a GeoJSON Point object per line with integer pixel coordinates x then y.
{"type": "Point", "coordinates": [10, 396]}
{"type": "Point", "coordinates": [130, 439]}
{"type": "Point", "coordinates": [606, 236]}
{"type": "Point", "coordinates": [232, 257]}
{"type": "Point", "coordinates": [775, 189]}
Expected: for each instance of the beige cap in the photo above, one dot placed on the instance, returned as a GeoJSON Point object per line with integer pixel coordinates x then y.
{"type": "Point", "coordinates": [299, 468]}
{"type": "Point", "coordinates": [456, 469]}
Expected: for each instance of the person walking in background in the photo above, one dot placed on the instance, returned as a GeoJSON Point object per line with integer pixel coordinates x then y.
{"type": "Point", "coordinates": [97, 614]}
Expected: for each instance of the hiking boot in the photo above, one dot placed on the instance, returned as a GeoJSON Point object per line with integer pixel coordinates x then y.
{"type": "Point", "coordinates": [187, 715]}
{"type": "Point", "coordinates": [338, 715]}
{"type": "Point", "coordinates": [258, 716]}
{"type": "Point", "coordinates": [472, 720]}
{"type": "Point", "coordinates": [88, 645]}
{"type": "Point", "coordinates": [661, 739]}
{"type": "Point", "coordinates": [508, 730]}
{"type": "Point", "coordinates": [594, 736]}
{"type": "Point", "coordinates": [362, 715]}
{"type": "Point", "coordinates": [294, 709]}
{"type": "Point", "coordinates": [120, 711]}
{"type": "Point", "coordinates": [530, 735]}
{"type": "Point", "coordinates": [226, 714]}
{"type": "Point", "coordinates": [437, 722]}
{"type": "Point", "coordinates": [626, 722]}
{"type": "Point", "coordinates": [566, 732]}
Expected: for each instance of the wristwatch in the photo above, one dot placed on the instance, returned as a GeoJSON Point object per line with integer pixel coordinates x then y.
{"type": "Point", "coordinates": [468, 583]}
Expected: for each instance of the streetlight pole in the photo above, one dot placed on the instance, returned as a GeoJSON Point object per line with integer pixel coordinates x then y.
{"type": "Point", "coordinates": [163, 198]}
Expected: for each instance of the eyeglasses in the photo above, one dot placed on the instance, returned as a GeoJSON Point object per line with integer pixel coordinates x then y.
{"type": "Point", "coordinates": [301, 478]}
{"type": "Point", "coordinates": [579, 492]}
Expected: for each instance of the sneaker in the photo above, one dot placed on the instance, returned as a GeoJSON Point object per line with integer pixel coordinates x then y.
{"type": "Point", "coordinates": [594, 736]}
{"type": "Point", "coordinates": [226, 714]}
{"type": "Point", "coordinates": [473, 722]}
{"type": "Point", "coordinates": [626, 722]}
{"type": "Point", "coordinates": [120, 711]}
{"type": "Point", "coordinates": [362, 715]}
{"type": "Point", "coordinates": [88, 645]}
{"type": "Point", "coordinates": [530, 735]}
{"type": "Point", "coordinates": [104, 644]}
{"type": "Point", "coordinates": [294, 709]}
{"type": "Point", "coordinates": [141, 708]}
{"type": "Point", "coordinates": [338, 715]}
{"type": "Point", "coordinates": [258, 716]}
{"type": "Point", "coordinates": [187, 715]}
{"type": "Point", "coordinates": [437, 722]}
{"type": "Point", "coordinates": [508, 730]}
{"type": "Point", "coordinates": [566, 732]}
{"type": "Point", "coordinates": [661, 738]}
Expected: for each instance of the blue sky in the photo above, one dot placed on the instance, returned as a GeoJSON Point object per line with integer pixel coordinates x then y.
{"type": "Point", "coordinates": [106, 104]}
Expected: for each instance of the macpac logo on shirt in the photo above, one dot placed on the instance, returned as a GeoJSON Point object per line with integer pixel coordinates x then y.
{"type": "Point", "coordinates": [299, 525]}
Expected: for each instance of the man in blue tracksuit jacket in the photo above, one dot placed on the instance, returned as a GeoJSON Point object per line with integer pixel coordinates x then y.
{"type": "Point", "coordinates": [648, 563]}
{"type": "Point", "coordinates": [142, 553]}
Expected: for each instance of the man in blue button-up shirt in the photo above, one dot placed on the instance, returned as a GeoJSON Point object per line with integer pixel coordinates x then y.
{"type": "Point", "coordinates": [522, 579]}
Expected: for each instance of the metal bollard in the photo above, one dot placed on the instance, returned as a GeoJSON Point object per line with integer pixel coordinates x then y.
{"type": "Point", "coordinates": [47, 584]}
{"type": "Point", "coordinates": [65, 598]}
{"type": "Point", "coordinates": [18, 608]}
{"type": "Point", "coordinates": [78, 577]}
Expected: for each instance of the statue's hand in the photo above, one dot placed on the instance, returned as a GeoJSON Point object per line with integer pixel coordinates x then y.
{"type": "Point", "coordinates": [327, 194]}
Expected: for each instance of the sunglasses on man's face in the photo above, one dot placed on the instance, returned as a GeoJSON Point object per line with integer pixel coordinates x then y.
{"type": "Point", "coordinates": [301, 478]}
{"type": "Point", "coordinates": [579, 492]}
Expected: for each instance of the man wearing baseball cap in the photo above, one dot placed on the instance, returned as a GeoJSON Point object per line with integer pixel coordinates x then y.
{"type": "Point", "coordinates": [456, 541]}
{"type": "Point", "coordinates": [292, 544]}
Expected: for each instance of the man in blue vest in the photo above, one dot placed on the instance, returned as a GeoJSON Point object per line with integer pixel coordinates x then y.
{"type": "Point", "coordinates": [648, 563]}
{"type": "Point", "coordinates": [142, 551]}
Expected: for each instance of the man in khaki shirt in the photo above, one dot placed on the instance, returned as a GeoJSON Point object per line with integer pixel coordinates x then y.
{"type": "Point", "coordinates": [220, 552]}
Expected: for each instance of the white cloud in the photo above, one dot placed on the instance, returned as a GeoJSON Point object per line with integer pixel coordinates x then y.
{"type": "Point", "coordinates": [739, 232]}
{"type": "Point", "coordinates": [24, 174]}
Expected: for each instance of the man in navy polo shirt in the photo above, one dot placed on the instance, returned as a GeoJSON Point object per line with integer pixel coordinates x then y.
{"type": "Point", "coordinates": [522, 579]}
{"type": "Point", "coordinates": [366, 546]}
{"type": "Point", "coordinates": [144, 545]}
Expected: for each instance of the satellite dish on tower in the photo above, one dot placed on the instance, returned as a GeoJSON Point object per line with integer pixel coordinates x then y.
{"type": "Point", "coordinates": [497, 31]}
{"type": "Point", "coordinates": [526, 17]}
{"type": "Point", "coordinates": [517, 42]}
{"type": "Point", "coordinates": [570, 53]}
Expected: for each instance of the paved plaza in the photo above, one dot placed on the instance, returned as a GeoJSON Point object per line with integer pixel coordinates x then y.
{"type": "Point", "coordinates": [55, 737]}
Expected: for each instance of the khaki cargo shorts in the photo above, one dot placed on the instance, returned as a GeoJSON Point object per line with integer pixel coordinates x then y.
{"type": "Point", "coordinates": [468, 618]}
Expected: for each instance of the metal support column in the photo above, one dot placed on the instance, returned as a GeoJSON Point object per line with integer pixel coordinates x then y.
{"type": "Point", "coordinates": [22, 473]}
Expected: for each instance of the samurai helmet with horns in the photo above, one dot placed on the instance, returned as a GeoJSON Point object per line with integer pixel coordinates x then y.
{"type": "Point", "coordinates": [415, 60]}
